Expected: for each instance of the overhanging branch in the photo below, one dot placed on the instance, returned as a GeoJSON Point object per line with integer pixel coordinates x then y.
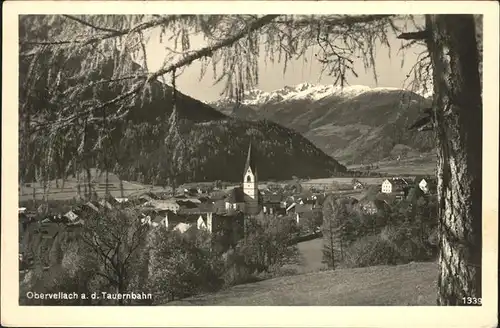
{"type": "Point", "coordinates": [83, 22]}
{"type": "Point", "coordinates": [204, 52]}
{"type": "Point", "coordinates": [418, 35]}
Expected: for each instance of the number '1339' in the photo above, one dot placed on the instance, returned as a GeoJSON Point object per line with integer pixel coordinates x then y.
{"type": "Point", "coordinates": [471, 300]}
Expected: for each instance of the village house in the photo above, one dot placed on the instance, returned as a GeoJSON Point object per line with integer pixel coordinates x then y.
{"type": "Point", "coordinates": [394, 185]}
{"type": "Point", "coordinates": [375, 206]}
{"type": "Point", "coordinates": [358, 185]}
{"type": "Point", "coordinates": [205, 189]}
{"type": "Point", "coordinates": [71, 216]}
{"type": "Point", "coordinates": [191, 191]}
{"type": "Point", "coordinates": [90, 207]}
{"type": "Point", "coordinates": [228, 226]}
{"type": "Point", "coordinates": [426, 184]}
{"type": "Point", "coordinates": [105, 204]}
{"type": "Point", "coordinates": [303, 211]}
{"type": "Point", "coordinates": [271, 203]}
{"type": "Point", "coordinates": [235, 200]}
{"type": "Point", "coordinates": [121, 199]}
{"type": "Point", "coordinates": [217, 195]}
{"type": "Point", "coordinates": [186, 221]}
{"type": "Point", "coordinates": [307, 215]}
{"type": "Point", "coordinates": [153, 216]}
{"type": "Point", "coordinates": [147, 196]}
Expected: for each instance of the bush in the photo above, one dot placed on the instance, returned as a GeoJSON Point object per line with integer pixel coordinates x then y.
{"type": "Point", "coordinates": [412, 243]}
{"type": "Point", "coordinates": [267, 243]}
{"type": "Point", "coordinates": [178, 267]}
{"type": "Point", "coordinates": [369, 251]}
{"type": "Point", "coordinates": [393, 245]}
{"type": "Point", "coordinates": [168, 264]}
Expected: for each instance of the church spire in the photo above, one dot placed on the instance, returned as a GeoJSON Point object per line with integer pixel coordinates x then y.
{"type": "Point", "coordinates": [250, 163]}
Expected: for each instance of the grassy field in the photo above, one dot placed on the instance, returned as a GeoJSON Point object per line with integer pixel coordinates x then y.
{"type": "Point", "coordinates": [57, 192]}
{"type": "Point", "coordinates": [311, 256]}
{"type": "Point", "coordinates": [405, 168]}
{"type": "Point", "coordinates": [425, 165]}
{"type": "Point", "coordinates": [410, 284]}
{"type": "Point", "coordinates": [343, 181]}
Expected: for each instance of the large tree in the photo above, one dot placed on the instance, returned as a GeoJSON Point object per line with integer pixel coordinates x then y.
{"type": "Point", "coordinates": [457, 116]}
{"type": "Point", "coordinates": [68, 60]}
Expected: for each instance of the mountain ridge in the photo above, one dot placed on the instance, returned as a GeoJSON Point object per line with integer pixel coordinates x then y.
{"type": "Point", "coordinates": [353, 124]}
{"type": "Point", "coordinates": [303, 91]}
{"type": "Point", "coordinates": [214, 142]}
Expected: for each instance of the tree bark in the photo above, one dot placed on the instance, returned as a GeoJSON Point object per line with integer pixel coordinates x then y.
{"type": "Point", "coordinates": [122, 193]}
{"type": "Point", "coordinates": [457, 111]}
{"type": "Point", "coordinates": [89, 181]}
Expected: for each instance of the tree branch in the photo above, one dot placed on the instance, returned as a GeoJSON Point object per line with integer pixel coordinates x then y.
{"type": "Point", "coordinates": [117, 33]}
{"type": "Point", "coordinates": [81, 21]}
{"type": "Point", "coordinates": [204, 52]}
{"type": "Point", "coordinates": [419, 35]}
{"type": "Point", "coordinates": [338, 21]}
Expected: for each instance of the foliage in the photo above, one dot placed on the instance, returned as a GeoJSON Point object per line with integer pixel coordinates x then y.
{"type": "Point", "coordinates": [267, 243]}
{"type": "Point", "coordinates": [52, 206]}
{"type": "Point", "coordinates": [310, 224]}
{"type": "Point", "coordinates": [369, 251]}
{"type": "Point", "coordinates": [406, 233]}
{"type": "Point", "coordinates": [215, 143]}
{"type": "Point", "coordinates": [80, 79]}
{"type": "Point", "coordinates": [114, 239]}
{"type": "Point", "coordinates": [70, 116]}
{"type": "Point", "coordinates": [179, 267]}
{"type": "Point", "coordinates": [335, 212]}
{"type": "Point", "coordinates": [114, 252]}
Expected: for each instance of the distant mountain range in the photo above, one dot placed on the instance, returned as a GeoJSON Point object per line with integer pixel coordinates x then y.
{"type": "Point", "coordinates": [217, 144]}
{"type": "Point", "coordinates": [353, 124]}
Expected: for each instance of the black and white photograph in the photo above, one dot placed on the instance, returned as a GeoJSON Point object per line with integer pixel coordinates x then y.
{"type": "Point", "coordinates": [294, 156]}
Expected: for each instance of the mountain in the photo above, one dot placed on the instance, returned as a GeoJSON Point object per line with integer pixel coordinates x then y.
{"type": "Point", "coordinates": [215, 143]}
{"type": "Point", "coordinates": [353, 124]}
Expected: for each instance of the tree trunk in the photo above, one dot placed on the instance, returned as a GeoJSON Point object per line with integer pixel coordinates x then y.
{"type": "Point", "coordinates": [106, 191]}
{"type": "Point", "coordinates": [78, 188]}
{"type": "Point", "coordinates": [457, 111]}
{"type": "Point", "coordinates": [89, 182]}
{"type": "Point", "coordinates": [122, 193]}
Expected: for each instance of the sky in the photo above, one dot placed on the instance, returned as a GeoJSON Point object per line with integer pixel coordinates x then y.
{"type": "Point", "coordinates": [389, 68]}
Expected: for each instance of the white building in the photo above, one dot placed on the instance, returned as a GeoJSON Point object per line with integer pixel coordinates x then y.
{"type": "Point", "coordinates": [427, 184]}
{"type": "Point", "coordinates": [386, 187]}
{"type": "Point", "coordinates": [246, 198]}
{"type": "Point", "coordinates": [393, 185]}
{"type": "Point", "coordinates": [251, 184]}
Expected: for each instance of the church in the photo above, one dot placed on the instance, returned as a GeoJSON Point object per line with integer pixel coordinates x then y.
{"type": "Point", "coordinates": [247, 198]}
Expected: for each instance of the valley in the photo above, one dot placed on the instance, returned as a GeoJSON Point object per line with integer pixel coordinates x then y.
{"type": "Point", "coordinates": [356, 124]}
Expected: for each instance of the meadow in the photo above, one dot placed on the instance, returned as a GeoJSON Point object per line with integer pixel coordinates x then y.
{"type": "Point", "coordinates": [408, 284]}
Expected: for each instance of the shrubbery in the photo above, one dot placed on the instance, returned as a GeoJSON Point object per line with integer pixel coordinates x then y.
{"type": "Point", "coordinates": [115, 254]}
{"type": "Point", "coordinates": [370, 250]}
{"type": "Point", "coordinates": [406, 233]}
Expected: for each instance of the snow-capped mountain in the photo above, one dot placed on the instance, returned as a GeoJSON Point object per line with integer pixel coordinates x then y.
{"type": "Point", "coordinates": [305, 91]}
{"type": "Point", "coordinates": [354, 124]}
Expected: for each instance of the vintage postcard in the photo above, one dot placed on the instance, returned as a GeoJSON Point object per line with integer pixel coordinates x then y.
{"type": "Point", "coordinates": [250, 163]}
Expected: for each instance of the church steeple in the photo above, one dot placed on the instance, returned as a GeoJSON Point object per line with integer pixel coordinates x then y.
{"type": "Point", "coordinates": [250, 163]}
{"type": "Point", "coordinates": [251, 183]}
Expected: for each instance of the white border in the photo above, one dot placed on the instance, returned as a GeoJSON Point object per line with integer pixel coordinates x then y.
{"type": "Point", "coordinates": [13, 315]}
